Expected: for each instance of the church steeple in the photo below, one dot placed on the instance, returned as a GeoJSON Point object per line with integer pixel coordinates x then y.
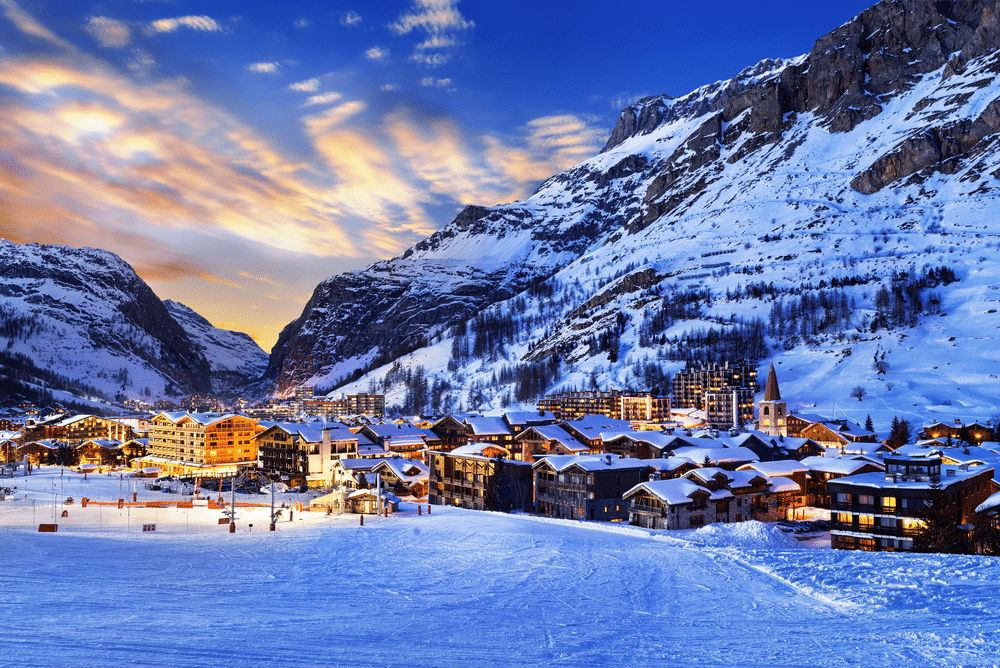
{"type": "Point", "coordinates": [771, 391]}
{"type": "Point", "coordinates": [772, 410]}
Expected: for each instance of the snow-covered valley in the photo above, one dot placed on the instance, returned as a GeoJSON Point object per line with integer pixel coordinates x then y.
{"type": "Point", "coordinates": [468, 588]}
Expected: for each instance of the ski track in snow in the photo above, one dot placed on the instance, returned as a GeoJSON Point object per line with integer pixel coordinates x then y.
{"type": "Point", "coordinates": [467, 588]}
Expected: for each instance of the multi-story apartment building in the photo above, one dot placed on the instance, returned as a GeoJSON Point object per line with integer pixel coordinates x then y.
{"type": "Point", "coordinates": [691, 384]}
{"type": "Point", "coordinates": [631, 406]}
{"type": "Point", "coordinates": [884, 512]}
{"type": "Point", "coordinates": [586, 487]}
{"type": "Point", "coordinates": [346, 406]}
{"type": "Point", "coordinates": [203, 443]}
{"type": "Point", "coordinates": [461, 477]}
{"type": "Point", "coordinates": [729, 408]}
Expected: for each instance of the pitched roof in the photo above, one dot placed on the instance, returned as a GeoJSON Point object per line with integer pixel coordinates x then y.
{"type": "Point", "coordinates": [488, 426]}
{"type": "Point", "coordinates": [771, 392]}
{"type": "Point", "coordinates": [589, 462]}
{"type": "Point", "coordinates": [674, 492]}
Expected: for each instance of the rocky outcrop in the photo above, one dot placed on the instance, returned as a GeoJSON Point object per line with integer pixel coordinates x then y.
{"type": "Point", "coordinates": [936, 148]}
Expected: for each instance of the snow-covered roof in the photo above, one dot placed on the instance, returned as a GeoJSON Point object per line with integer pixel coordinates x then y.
{"type": "Point", "coordinates": [407, 470]}
{"type": "Point", "coordinates": [476, 449]}
{"type": "Point", "coordinates": [589, 462]}
{"type": "Point", "coordinates": [989, 504]}
{"type": "Point", "coordinates": [673, 492]}
{"type": "Point", "coordinates": [488, 426]}
{"type": "Point", "coordinates": [559, 435]}
{"type": "Point", "coordinates": [778, 467]}
{"type": "Point", "coordinates": [782, 485]}
{"type": "Point", "coordinates": [667, 463]}
{"type": "Point", "coordinates": [355, 464]}
{"type": "Point", "coordinates": [595, 425]}
{"type": "Point", "coordinates": [398, 430]}
{"type": "Point", "coordinates": [529, 418]}
{"type": "Point", "coordinates": [109, 443]}
{"type": "Point", "coordinates": [201, 418]}
{"type": "Point", "coordinates": [878, 479]}
{"type": "Point", "coordinates": [337, 433]}
{"type": "Point", "coordinates": [835, 466]}
{"type": "Point", "coordinates": [809, 417]}
{"type": "Point", "coordinates": [716, 455]}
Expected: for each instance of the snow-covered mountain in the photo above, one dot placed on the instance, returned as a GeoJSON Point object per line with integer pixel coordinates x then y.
{"type": "Point", "coordinates": [234, 357]}
{"type": "Point", "coordinates": [81, 320]}
{"type": "Point", "coordinates": [791, 193]}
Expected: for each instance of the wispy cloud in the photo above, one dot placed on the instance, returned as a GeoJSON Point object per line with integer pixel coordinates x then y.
{"type": "Point", "coordinates": [351, 18]}
{"type": "Point", "coordinates": [268, 68]}
{"type": "Point", "coordinates": [307, 86]}
{"type": "Point", "coordinates": [302, 23]}
{"type": "Point", "coordinates": [322, 98]}
{"type": "Point", "coordinates": [389, 86]}
{"type": "Point", "coordinates": [109, 33]}
{"type": "Point", "coordinates": [203, 23]}
{"type": "Point", "coordinates": [432, 16]}
{"type": "Point", "coordinates": [439, 20]}
{"type": "Point", "coordinates": [29, 26]}
{"type": "Point", "coordinates": [431, 81]}
{"type": "Point", "coordinates": [377, 53]}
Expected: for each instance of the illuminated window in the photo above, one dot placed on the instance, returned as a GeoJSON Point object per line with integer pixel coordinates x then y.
{"type": "Point", "coordinates": [866, 521]}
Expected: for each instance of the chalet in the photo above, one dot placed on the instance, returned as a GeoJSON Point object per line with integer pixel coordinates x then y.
{"type": "Point", "coordinates": [518, 421]}
{"type": "Point", "coordinates": [278, 450]}
{"type": "Point", "coordinates": [461, 477]}
{"type": "Point", "coordinates": [134, 447]}
{"type": "Point", "coordinates": [548, 440]}
{"type": "Point", "coordinates": [824, 469]}
{"type": "Point", "coordinates": [837, 435]}
{"type": "Point", "coordinates": [353, 473]}
{"type": "Point", "coordinates": [489, 430]}
{"type": "Point", "coordinates": [402, 477]}
{"type": "Point", "coordinates": [39, 452]}
{"type": "Point", "coordinates": [755, 496]}
{"type": "Point", "coordinates": [797, 447]}
{"type": "Point", "coordinates": [402, 439]}
{"type": "Point", "coordinates": [451, 433]}
{"type": "Point", "coordinates": [883, 511]}
{"type": "Point", "coordinates": [673, 504]}
{"type": "Point", "coordinates": [100, 451]}
{"type": "Point", "coordinates": [587, 486]}
{"type": "Point", "coordinates": [639, 444]}
{"type": "Point", "coordinates": [79, 428]}
{"type": "Point", "coordinates": [594, 430]}
{"type": "Point", "coordinates": [798, 422]}
{"type": "Point", "coordinates": [785, 468]}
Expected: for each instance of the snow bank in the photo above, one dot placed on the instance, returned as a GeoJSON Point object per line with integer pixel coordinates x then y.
{"type": "Point", "coordinates": [741, 534]}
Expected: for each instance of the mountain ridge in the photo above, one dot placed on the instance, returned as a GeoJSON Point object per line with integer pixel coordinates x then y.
{"type": "Point", "coordinates": [738, 155]}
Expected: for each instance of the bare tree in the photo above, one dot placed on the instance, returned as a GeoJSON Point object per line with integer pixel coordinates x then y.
{"type": "Point", "coordinates": [859, 393]}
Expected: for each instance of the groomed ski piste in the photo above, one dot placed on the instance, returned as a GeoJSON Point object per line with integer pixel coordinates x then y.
{"type": "Point", "coordinates": [461, 588]}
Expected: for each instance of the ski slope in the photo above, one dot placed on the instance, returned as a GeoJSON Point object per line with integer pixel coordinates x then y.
{"type": "Point", "coordinates": [467, 588]}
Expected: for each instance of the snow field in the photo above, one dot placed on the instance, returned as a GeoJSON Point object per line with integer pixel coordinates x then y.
{"type": "Point", "coordinates": [467, 588]}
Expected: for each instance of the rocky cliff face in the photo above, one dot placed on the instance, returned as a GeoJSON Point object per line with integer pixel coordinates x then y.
{"type": "Point", "coordinates": [887, 128]}
{"type": "Point", "coordinates": [86, 315]}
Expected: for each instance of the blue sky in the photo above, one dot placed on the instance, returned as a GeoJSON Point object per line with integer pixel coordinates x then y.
{"type": "Point", "coordinates": [236, 154]}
